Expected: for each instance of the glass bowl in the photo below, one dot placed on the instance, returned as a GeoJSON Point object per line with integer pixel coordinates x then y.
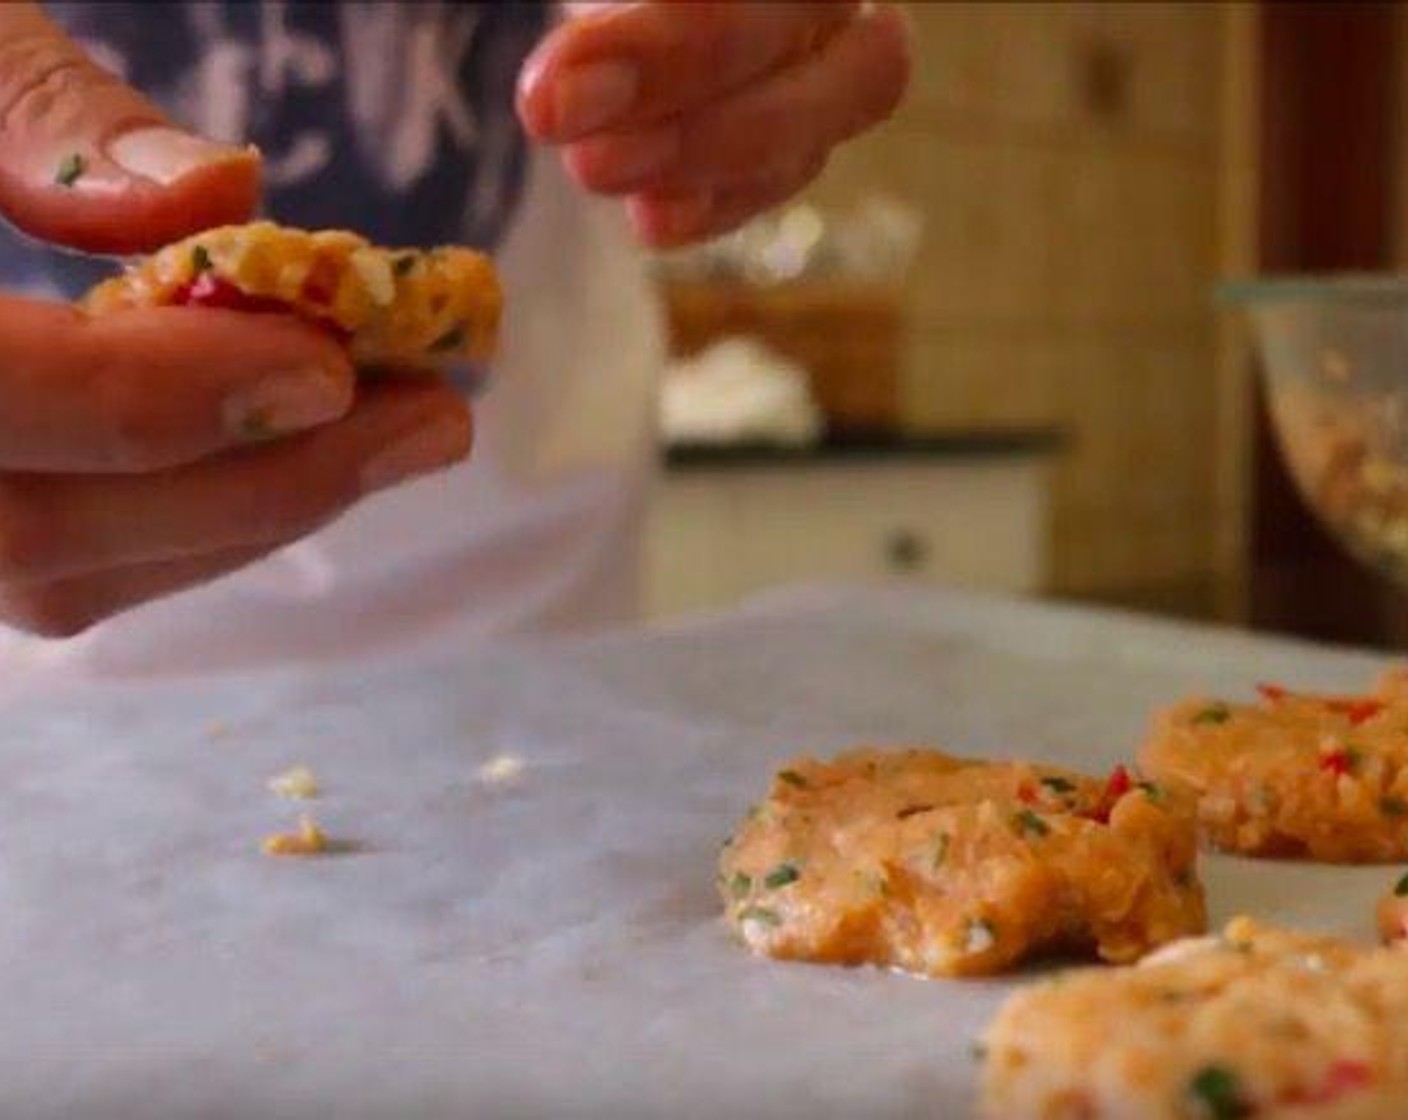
{"type": "Point", "coordinates": [1334, 355]}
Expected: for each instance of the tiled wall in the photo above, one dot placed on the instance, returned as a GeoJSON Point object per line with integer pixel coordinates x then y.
{"type": "Point", "coordinates": [1066, 159]}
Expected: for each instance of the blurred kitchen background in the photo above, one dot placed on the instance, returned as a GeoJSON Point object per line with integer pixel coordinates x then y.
{"type": "Point", "coordinates": [985, 349]}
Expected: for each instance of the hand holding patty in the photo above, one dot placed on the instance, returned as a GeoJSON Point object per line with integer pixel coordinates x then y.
{"type": "Point", "coordinates": [88, 162]}
{"type": "Point", "coordinates": [127, 465]}
{"type": "Point", "coordinates": [128, 459]}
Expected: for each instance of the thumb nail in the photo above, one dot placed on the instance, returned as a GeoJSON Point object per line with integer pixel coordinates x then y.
{"type": "Point", "coordinates": [164, 154]}
{"type": "Point", "coordinates": [593, 97]}
{"type": "Point", "coordinates": [286, 402]}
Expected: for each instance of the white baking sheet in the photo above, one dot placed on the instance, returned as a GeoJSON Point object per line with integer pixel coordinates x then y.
{"type": "Point", "coordinates": [549, 947]}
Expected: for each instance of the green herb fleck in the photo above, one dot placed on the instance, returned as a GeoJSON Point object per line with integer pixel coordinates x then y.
{"type": "Point", "coordinates": [1401, 887]}
{"type": "Point", "coordinates": [452, 339]}
{"type": "Point", "coordinates": [1214, 713]}
{"type": "Point", "coordinates": [760, 914]}
{"type": "Point", "coordinates": [740, 885]}
{"type": "Point", "coordinates": [71, 169]}
{"type": "Point", "coordinates": [1058, 785]}
{"type": "Point", "coordinates": [403, 264]}
{"type": "Point", "coordinates": [792, 778]}
{"type": "Point", "coordinates": [258, 427]}
{"type": "Point", "coordinates": [781, 876]}
{"type": "Point", "coordinates": [200, 260]}
{"type": "Point", "coordinates": [1353, 756]}
{"type": "Point", "coordinates": [1028, 821]}
{"type": "Point", "coordinates": [1150, 790]}
{"type": "Point", "coordinates": [978, 1049]}
{"type": "Point", "coordinates": [941, 844]}
{"type": "Point", "coordinates": [1393, 806]}
{"type": "Point", "coordinates": [1216, 1093]}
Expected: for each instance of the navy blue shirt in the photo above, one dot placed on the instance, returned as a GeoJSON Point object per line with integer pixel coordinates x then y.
{"type": "Point", "coordinates": [392, 119]}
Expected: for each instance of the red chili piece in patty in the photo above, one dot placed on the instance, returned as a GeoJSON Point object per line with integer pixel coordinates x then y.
{"type": "Point", "coordinates": [1342, 1078]}
{"type": "Point", "coordinates": [1119, 784]}
{"type": "Point", "coordinates": [208, 290]}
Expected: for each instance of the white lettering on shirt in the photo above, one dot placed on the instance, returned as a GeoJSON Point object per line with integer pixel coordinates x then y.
{"type": "Point", "coordinates": [404, 109]}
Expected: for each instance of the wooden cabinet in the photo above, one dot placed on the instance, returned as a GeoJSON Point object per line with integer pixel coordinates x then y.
{"type": "Point", "coordinates": [721, 531]}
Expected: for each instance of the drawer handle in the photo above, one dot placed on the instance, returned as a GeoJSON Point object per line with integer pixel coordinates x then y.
{"type": "Point", "coordinates": [906, 550]}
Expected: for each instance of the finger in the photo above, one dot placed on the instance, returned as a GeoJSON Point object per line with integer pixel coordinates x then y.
{"type": "Point", "coordinates": [639, 63]}
{"type": "Point", "coordinates": [667, 221]}
{"type": "Point", "coordinates": [55, 526]}
{"type": "Point", "coordinates": [88, 162]}
{"type": "Point", "coordinates": [852, 83]}
{"type": "Point", "coordinates": [151, 388]}
{"type": "Point", "coordinates": [67, 607]}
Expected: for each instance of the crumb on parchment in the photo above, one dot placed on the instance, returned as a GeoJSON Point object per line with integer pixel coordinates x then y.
{"type": "Point", "coordinates": [309, 840]}
{"type": "Point", "coordinates": [501, 770]}
{"type": "Point", "coordinates": [297, 783]}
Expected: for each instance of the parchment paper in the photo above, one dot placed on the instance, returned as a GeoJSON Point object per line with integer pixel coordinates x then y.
{"type": "Point", "coordinates": [548, 947]}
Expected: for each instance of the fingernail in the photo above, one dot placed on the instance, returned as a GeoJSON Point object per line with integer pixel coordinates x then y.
{"type": "Point", "coordinates": [635, 160]}
{"type": "Point", "coordinates": [429, 448]}
{"type": "Point", "coordinates": [592, 97]}
{"type": "Point", "coordinates": [667, 219]}
{"type": "Point", "coordinates": [165, 154]}
{"type": "Point", "coordinates": [284, 403]}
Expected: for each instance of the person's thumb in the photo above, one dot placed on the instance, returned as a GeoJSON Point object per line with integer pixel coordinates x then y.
{"type": "Point", "coordinates": [87, 162]}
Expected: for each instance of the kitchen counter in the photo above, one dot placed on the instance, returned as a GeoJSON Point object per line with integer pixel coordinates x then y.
{"type": "Point", "coordinates": [977, 443]}
{"type": "Point", "coordinates": [544, 945]}
{"type": "Point", "coordinates": [969, 508]}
